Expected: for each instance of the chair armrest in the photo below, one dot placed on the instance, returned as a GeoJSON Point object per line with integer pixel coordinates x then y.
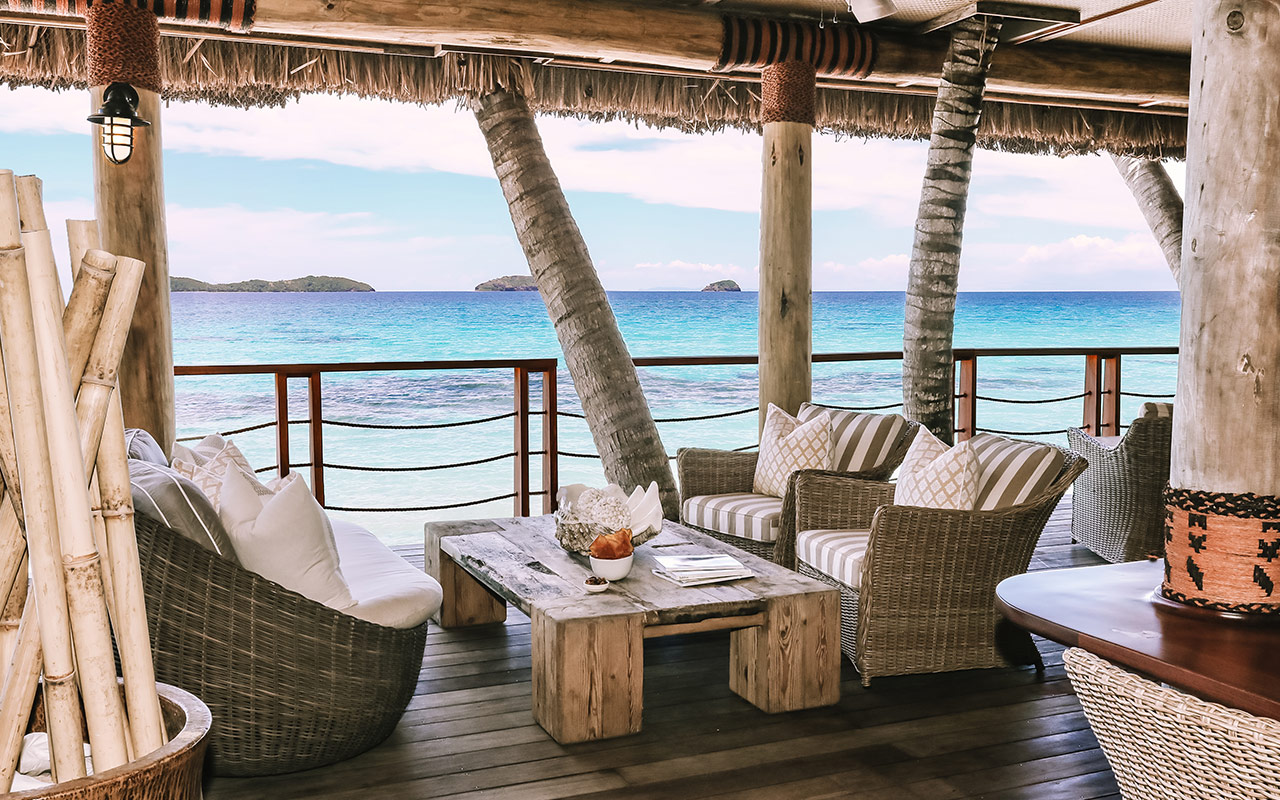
{"type": "Point", "coordinates": [703, 471]}
{"type": "Point", "coordinates": [1088, 446]}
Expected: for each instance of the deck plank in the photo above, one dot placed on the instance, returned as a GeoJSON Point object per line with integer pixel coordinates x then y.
{"type": "Point", "coordinates": [469, 732]}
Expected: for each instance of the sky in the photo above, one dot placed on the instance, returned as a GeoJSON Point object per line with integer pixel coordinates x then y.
{"type": "Point", "coordinates": [404, 198]}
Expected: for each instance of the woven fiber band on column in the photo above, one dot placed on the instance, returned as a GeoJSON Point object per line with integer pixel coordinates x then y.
{"type": "Point", "coordinates": [788, 93]}
{"type": "Point", "coordinates": [233, 15]}
{"type": "Point", "coordinates": [123, 44]}
{"type": "Point", "coordinates": [846, 51]}
{"type": "Point", "coordinates": [1222, 551]}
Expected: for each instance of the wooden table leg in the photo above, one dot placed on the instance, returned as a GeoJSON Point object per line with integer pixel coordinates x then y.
{"type": "Point", "coordinates": [792, 661]}
{"type": "Point", "coordinates": [466, 600]}
{"type": "Point", "coordinates": [588, 670]}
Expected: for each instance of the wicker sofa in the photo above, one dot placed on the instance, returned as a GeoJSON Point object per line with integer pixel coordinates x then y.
{"type": "Point", "coordinates": [925, 594]}
{"type": "Point", "coordinates": [712, 473]}
{"type": "Point", "coordinates": [292, 684]}
{"type": "Point", "coordinates": [1117, 510]}
{"type": "Point", "coordinates": [1162, 743]}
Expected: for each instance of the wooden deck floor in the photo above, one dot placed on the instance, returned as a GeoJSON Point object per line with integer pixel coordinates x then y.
{"type": "Point", "coordinates": [469, 732]}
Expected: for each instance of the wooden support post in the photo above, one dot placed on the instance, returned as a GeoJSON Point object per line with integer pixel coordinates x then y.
{"type": "Point", "coordinates": [316, 427]}
{"type": "Point", "coordinates": [966, 425]}
{"type": "Point", "coordinates": [1092, 394]}
{"type": "Point", "coordinates": [786, 238]}
{"type": "Point", "coordinates": [1109, 413]}
{"type": "Point", "coordinates": [123, 44]}
{"type": "Point", "coordinates": [521, 469]}
{"type": "Point", "coordinates": [550, 442]}
{"type": "Point", "coordinates": [282, 424]}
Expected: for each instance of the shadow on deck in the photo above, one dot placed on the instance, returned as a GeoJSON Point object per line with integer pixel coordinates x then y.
{"type": "Point", "coordinates": [469, 732]}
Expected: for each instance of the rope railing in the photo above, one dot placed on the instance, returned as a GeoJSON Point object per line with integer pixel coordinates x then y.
{"type": "Point", "coordinates": [444, 507]}
{"type": "Point", "coordinates": [1148, 396]}
{"type": "Point", "coordinates": [1021, 433]}
{"type": "Point", "coordinates": [884, 407]}
{"type": "Point", "coordinates": [664, 420]}
{"type": "Point", "coordinates": [431, 426]}
{"type": "Point", "coordinates": [1034, 402]}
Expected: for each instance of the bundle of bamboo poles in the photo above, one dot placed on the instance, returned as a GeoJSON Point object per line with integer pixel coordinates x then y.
{"type": "Point", "coordinates": [70, 584]}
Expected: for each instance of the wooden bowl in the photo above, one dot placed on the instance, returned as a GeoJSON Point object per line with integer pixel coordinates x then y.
{"type": "Point", "coordinates": [171, 773]}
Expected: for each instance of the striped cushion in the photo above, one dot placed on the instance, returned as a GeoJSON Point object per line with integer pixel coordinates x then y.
{"type": "Point", "coordinates": [859, 441]}
{"type": "Point", "coordinates": [838, 554]}
{"type": "Point", "coordinates": [1157, 410]}
{"type": "Point", "coordinates": [1011, 472]}
{"type": "Point", "coordinates": [745, 515]}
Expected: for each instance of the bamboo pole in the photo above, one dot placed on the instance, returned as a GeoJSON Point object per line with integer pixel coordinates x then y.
{"type": "Point", "coordinates": [82, 236]}
{"type": "Point", "coordinates": [18, 695]}
{"type": "Point", "coordinates": [17, 335]}
{"type": "Point", "coordinates": [80, 319]}
{"type": "Point", "coordinates": [86, 599]}
{"type": "Point", "coordinates": [146, 723]}
{"type": "Point", "coordinates": [14, 608]}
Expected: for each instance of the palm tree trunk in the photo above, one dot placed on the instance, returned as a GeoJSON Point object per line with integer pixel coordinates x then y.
{"type": "Point", "coordinates": [927, 381]}
{"type": "Point", "coordinates": [1160, 203]}
{"type": "Point", "coordinates": [597, 357]}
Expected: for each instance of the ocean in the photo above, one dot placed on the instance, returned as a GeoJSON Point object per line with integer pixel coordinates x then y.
{"type": "Point", "coordinates": [220, 328]}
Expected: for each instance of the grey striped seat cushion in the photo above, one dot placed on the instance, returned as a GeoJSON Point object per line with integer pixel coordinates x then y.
{"type": "Point", "coordinates": [1012, 472]}
{"type": "Point", "coordinates": [838, 554]}
{"type": "Point", "coordinates": [1157, 410]}
{"type": "Point", "coordinates": [858, 441]}
{"type": "Point", "coordinates": [742, 514]}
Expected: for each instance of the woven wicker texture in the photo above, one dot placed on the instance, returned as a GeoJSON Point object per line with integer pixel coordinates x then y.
{"type": "Point", "coordinates": [788, 93]}
{"type": "Point", "coordinates": [927, 599]}
{"type": "Point", "coordinates": [1223, 551]}
{"type": "Point", "coordinates": [723, 472]}
{"type": "Point", "coordinates": [292, 684]}
{"type": "Point", "coordinates": [1116, 506]}
{"type": "Point", "coordinates": [123, 44]}
{"type": "Point", "coordinates": [1165, 744]}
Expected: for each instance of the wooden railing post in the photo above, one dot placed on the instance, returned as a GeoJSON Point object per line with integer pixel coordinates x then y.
{"type": "Point", "coordinates": [1109, 423]}
{"type": "Point", "coordinates": [550, 442]}
{"type": "Point", "coordinates": [521, 469]}
{"type": "Point", "coordinates": [282, 423]}
{"type": "Point", "coordinates": [316, 414]}
{"type": "Point", "coordinates": [1092, 393]}
{"type": "Point", "coordinates": [966, 425]}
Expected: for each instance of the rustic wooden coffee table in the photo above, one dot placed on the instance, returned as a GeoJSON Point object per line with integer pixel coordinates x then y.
{"type": "Point", "coordinates": [588, 649]}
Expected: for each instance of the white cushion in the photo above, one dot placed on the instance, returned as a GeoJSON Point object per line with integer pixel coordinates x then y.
{"type": "Point", "coordinates": [787, 445]}
{"type": "Point", "coordinates": [936, 476]}
{"type": "Point", "coordinates": [859, 441]}
{"type": "Point", "coordinates": [387, 589]}
{"type": "Point", "coordinates": [838, 554]}
{"type": "Point", "coordinates": [284, 536]}
{"type": "Point", "coordinates": [742, 514]}
{"type": "Point", "coordinates": [212, 466]}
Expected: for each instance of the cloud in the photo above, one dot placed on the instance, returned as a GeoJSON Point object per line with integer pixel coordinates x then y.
{"type": "Point", "coordinates": [885, 274]}
{"type": "Point", "coordinates": [1085, 263]}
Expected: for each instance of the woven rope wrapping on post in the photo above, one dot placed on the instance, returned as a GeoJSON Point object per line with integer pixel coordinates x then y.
{"type": "Point", "coordinates": [788, 93]}
{"type": "Point", "coordinates": [233, 15]}
{"type": "Point", "coordinates": [845, 51]}
{"type": "Point", "coordinates": [123, 44]}
{"type": "Point", "coordinates": [1222, 550]}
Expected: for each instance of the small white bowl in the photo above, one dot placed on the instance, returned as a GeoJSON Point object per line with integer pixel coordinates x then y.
{"type": "Point", "coordinates": [612, 569]}
{"type": "Point", "coordinates": [595, 587]}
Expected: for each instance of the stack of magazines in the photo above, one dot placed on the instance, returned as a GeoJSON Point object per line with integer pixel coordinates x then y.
{"type": "Point", "coordinates": [700, 569]}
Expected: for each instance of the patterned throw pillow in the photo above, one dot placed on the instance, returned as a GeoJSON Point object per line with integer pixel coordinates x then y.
{"type": "Point", "coordinates": [936, 476]}
{"type": "Point", "coordinates": [209, 475]}
{"type": "Point", "coordinates": [859, 441]}
{"type": "Point", "coordinates": [787, 445]}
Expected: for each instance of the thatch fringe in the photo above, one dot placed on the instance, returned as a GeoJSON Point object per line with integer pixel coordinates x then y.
{"type": "Point", "coordinates": [249, 74]}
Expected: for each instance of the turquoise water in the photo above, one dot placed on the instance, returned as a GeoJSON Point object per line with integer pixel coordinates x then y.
{"type": "Point", "coordinates": [295, 328]}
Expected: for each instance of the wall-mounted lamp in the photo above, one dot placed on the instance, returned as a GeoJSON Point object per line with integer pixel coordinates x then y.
{"type": "Point", "coordinates": [118, 117]}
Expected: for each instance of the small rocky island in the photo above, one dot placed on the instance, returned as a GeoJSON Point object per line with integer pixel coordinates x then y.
{"type": "Point", "coordinates": [722, 286]}
{"type": "Point", "coordinates": [311, 283]}
{"type": "Point", "coordinates": [509, 283]}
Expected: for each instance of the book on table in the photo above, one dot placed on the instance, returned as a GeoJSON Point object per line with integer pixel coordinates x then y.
{"type": "Point", "coordinates": [697, 570]}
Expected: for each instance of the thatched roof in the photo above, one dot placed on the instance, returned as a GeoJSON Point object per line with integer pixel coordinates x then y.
{"type": "Point", "coordinates": [248, 73]}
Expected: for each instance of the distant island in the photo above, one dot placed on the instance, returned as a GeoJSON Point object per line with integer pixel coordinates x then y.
{"type": "Point", "coordinates": [509, 283]}
{"type": "Point", "coordinates": [311, 283]}
{"type": "Point", "coordinates": [722, 286]}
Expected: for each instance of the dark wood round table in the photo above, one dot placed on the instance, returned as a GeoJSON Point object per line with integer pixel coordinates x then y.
{"type": "Point", "coordinates": [1111, 611]}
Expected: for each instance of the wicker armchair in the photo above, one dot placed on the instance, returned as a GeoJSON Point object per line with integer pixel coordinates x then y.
{"type": "Point", "coordinates": [1162, 743]}
{"type": "Point", "coordinates": [713, 472]}
{"type": "Point", "coordinates": [292, 684]}
{"type": "Point", "coordinates": [926, 602]}
{"type": "Point", "coordinates": [1117, 510]}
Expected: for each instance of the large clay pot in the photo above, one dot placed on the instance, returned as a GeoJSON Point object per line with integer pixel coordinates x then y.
{"type": "Point", "coordinates": [171, 773]}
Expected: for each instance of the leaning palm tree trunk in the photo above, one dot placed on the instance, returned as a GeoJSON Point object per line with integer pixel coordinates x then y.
{"type": "Point", "coordinates": [927, 382]}
{"type": "Point", "coordinates": [597, 357]}
{"type": "Point", "coordinates": [1160, 203]}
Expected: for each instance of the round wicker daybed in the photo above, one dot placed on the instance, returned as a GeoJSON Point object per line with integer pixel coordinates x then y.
{"type": "Point", "coordinates": [292, 684]}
